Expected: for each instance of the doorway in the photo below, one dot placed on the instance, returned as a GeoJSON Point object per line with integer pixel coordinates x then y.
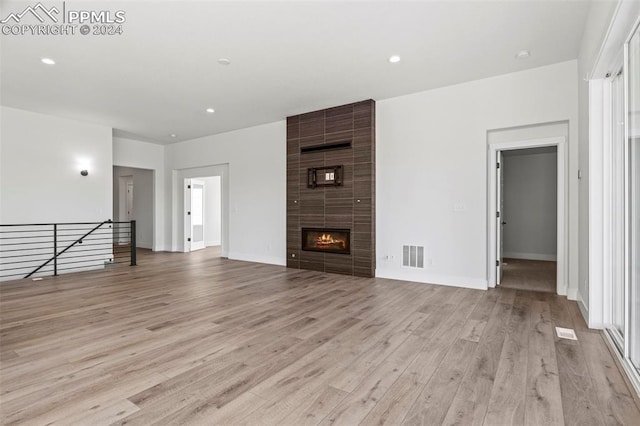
{"type": "Point", "coordinates": [527, 222]}
{"type": "Point", "coordinates": [528, 211]}
{"type": "Point", "coordinates": [203, 214]}
{"type": "Point", "coordinates": [133, 199]}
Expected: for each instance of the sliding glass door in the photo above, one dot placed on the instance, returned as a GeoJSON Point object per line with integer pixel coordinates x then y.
{"type": "Point", "coordinates": [633, 132]}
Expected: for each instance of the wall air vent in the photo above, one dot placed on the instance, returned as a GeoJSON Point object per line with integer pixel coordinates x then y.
{"type": "Point", "coordinates": [413, 256]}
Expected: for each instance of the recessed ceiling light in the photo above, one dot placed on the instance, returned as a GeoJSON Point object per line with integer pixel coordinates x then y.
{"type": "Point", "coordinates": [211, 110]}
{"type": "Point", "coordinates": [48, 61]}
{"type": "Point", "coordinates": [394, 59]}
{"type": "Point", "coordinates": [523, 54]}
{"type": "Point", "coordinates": [173, 135]}
{"type": "Point", "coordinates": [224, 61]}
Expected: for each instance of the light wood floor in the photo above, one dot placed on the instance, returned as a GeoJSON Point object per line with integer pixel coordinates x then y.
{"type": "Point", "coordinates": [197, 339]}
{"type": "Point", "coordinates": [532, 275]}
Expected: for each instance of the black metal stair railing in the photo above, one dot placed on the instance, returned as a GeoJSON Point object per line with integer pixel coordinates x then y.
{"type": "Point", "coordinates": [28, 250]}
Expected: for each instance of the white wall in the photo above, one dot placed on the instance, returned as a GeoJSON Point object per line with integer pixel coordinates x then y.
{"type": "Point", "coordinates": [142, 202]}
{"type": "Point", "coordinates": [144, 155]}
{"type": "Point", "coordinates": [256, 159]}
{"type": "Point", "coordinates": [212, 210]}
{"type": "Point", "coordinates": [432, 153]}
{"type": "Point", "coordinates": [530, 198]}
{"type": "Point", "coordinates": [41, 159]}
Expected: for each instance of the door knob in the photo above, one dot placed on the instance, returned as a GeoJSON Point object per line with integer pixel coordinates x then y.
{"type": "Point", "coordinates": [503, 223]}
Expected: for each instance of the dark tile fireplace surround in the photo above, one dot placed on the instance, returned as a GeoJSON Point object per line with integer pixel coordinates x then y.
{"type": "Point", "coordinates": [331, 190]}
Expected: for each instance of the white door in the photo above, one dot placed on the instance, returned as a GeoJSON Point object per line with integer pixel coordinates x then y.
{"type": "Point", "coordinates": [499, 218]}
{"type": "Point", "coordinates": [195, 215]}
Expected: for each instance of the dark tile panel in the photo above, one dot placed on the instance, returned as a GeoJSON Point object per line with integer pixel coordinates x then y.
{"type": "Point", "coordinates": [362, 189]}
{"type": "Point", "coordinates": [363, 133]}
{"type": "Point", "coordinates": [312, 266]}
{"type": "Point", "coordinates": [363, 272]}
{"type": "Point", "coordinates": [362, 206]}
{"type": "Point", "coordinates": [363, 142]}
{"type": "Point", "coordinates": [363, 122]}
{"type": "Point", "coordinates": [342, 136]}
{"type": "Point", "coordinates": [363, 219]}
{"type": "Point", "coordinates": [338, 221]}
{"type": "Point", "coordinates": [311, 141]}
{"type": "Point", "coordinates": [338, 158]}
{"type": "Point", "coordinates": [362, 227]}
{"type": "Point", "coordinates": [309, 116]}
{"type": "Point", "coordinates": [345, 191]}
{"type": "Point", "coordinates": [363, 171]}
{"type": "Point", "coordinates": [339, 110]}
{"type": "Point", "coordinates": [334, 205]}
{"type": "Point", "coordinates": [312, 221]}
{"type": "Point", "coordinates": [308, 194]}
{"type": "Point", "coordinates": [334, 268]}
{"type": "Point", "coordinates": [293, 146]}
{"type": "Point", "coordinates": [293, 127]}
{"type": "Point", "coordinates": [361, 262]}
{"type": "Point", "coordinates": [312, 128]}
{"type": "Point", "coordinates": [339, 124]}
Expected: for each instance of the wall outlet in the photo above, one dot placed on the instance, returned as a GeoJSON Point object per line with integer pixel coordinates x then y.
{"type": "Point", "coordinates": [459, 207]}
{"type": "Point", "coordinates": [429, 261]}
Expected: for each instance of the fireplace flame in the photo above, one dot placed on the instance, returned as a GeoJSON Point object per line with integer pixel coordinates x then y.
{"type": "Point", "coordinates": [327, 239]}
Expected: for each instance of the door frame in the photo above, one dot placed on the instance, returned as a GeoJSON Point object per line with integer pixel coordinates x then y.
{"type": "Point", "coordinates": [562, 232]}
{"type": "Point", "coordinates": [179, 200]}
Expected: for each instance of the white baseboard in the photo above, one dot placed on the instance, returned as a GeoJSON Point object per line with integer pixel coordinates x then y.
{"type": "Point", "coordinates": [406, 274]}
{"type": "Point", "coordinates": [212, 243]}
{"type": "Point", "coordinates": [144, 244]}
{"type": "Point", "coordinates": [530, 256]}
{"type": "Point", "coordinates": [258, 258]}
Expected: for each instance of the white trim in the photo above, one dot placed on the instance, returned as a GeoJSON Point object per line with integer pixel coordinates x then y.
{"type": "Point", "coordinates": [562, 210]}
{"type": "Point", "coordinates": [271, 260]}
{"type": "Point", "coordinates": [178, 198]}
{"type": "Point", "coordinates": [530, 256]}
{"type": "Point", "coordinates": [212, 243]}
{"type": "Point", "coordinates": [599, 142]}
{"type": "Point", "coordinates": [419, 276]}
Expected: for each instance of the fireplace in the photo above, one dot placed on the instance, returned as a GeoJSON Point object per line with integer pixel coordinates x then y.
{"type": "Point", "coordinates": [326, 240]}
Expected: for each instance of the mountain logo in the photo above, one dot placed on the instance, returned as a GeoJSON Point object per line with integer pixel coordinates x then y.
{"type": "Point", "coordinates": [39, 11]}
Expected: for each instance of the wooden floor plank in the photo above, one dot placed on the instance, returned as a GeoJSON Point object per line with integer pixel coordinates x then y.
{"type": "Point", "coordinates": [197, 339]}
{"type": "Point", "coordinates": [507, 402]}
{"type": "Point", "coordinates": [543, 405]}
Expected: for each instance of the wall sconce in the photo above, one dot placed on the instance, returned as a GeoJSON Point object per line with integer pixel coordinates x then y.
{"type": "Point", "coordinates": [84, 172]}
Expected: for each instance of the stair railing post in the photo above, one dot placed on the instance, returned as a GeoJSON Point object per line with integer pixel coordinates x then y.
{"type": "Point", "coordinates": [55, 249]}
{"type": "Point", "coordinates": [133, 243]}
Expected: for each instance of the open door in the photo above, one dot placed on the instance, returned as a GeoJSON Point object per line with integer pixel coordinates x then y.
{"type": "Point", "coordinates": [499, 219]}
{"type": "Point", "coordinates": [194, 217]}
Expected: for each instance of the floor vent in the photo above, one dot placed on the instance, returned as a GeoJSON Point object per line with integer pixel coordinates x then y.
{"type": "Point", "coordinates": [413, 256]}
{"type": "Point", "coordinates": [566, 333]}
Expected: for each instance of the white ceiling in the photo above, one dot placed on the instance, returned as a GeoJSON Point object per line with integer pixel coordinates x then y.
{"type": "Point", "coordinates": [287, 58]}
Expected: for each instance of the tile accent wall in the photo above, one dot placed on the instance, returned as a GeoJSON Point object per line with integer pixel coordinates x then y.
{"type": "Point", "coordinates": [350, 206]}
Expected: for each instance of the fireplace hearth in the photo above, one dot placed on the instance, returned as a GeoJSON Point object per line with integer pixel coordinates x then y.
{"type": "Point", "coordinates": [326, 240]}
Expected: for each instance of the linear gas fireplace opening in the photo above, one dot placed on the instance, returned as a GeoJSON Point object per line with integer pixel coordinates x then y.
{"type": "Point", "coordinates": [326, 240]}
